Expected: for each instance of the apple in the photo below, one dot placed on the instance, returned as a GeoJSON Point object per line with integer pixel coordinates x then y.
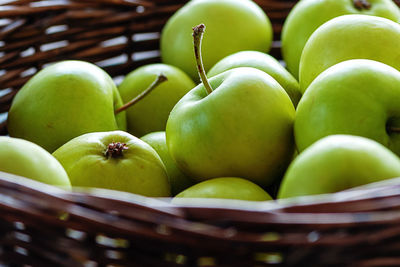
{"type": "Point", "coordinates": [65, 100]}
{"type": "Point", "coordinates": [336, 163]}
{"type": "Point", "coordinates": [24, 158]}
{"type": "Point", "coordinates": [235, 25]}
{"type": "Point", "coordinates": [150, 114]}
{"type": "Point", "coordinates": [264, 62]}
{"type": "Point", "coordinates": [306, 16]}
{"type": "Point", "coordinates": [226, 188]}
{"type": "Point", "coordinates": [357, 97]}
{"type": "Point", "coordinates": [114, 160]}
{"type": "Point", "coordinates": [178, 180]}
{"type": "Point", "coordinates": [237, 124]}
{"type": "Point", "coordinates": [349, 37]}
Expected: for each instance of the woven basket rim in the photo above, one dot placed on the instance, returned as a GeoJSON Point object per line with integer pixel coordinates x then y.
{"type": "Point", "coordinates": [380, 189]}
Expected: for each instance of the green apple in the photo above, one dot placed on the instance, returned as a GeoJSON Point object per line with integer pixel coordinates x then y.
{"type": "Point", "coordinates": [336, 163]}
{"type": "Point", "coordinates": [226, 188]}
{"type": "Point", "coordinates": [114, 160]}
{"type": "Point", "coordinates": [241, 128]}
{"type": "Point", "coordinates": [150, 114]}
{"type": "Point", "coordinates": [178, 180]}
{"type": "Point", "coordinates": [65, 100]}
{"type": "Point", "coordinates": [307, 15]}
{"type": "Point", "coordinates": [234, 25]}
{"type": "Point", "coordinates": [349, 37]}
{"type": "Point", "coordinates": [264, 62]}
{"type": "Point", "coordinates": [358, 97]}
{"type": "Point", "coordinates": [24, 158]}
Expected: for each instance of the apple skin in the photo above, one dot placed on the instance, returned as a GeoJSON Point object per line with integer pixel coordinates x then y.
{"type": "Point", "coordinates": [178, 180]}
{"type": "Point", "coordinates": [307, 16]}
{"type": "Point", "coordinates": [349, 37]}
{"type": "Point", "coordinates": [139, 170]}
{"type": "Point", "coordinates": [232, 26]}
{"type": "Point", "coordinates": [226, 188]}
{"type": "Point", "coordinates": [242, 129]}
{"type": "Point", "coordinates": [336, 163]}
{"type": "Point", "coordinates": [150, 114]}
{"type": "Point", "coordinates": [65, 100]}
{"type": "Point", "coordinates": [24, 158]}
{"type": "Point", "coordinates": [357, 97]}
{"type": "Point", "coordinates": [264, 62]}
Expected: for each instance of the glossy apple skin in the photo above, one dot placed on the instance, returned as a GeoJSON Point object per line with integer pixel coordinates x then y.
{"type": "Point", "coordinates": [231, 26]}
{"type": "Point", "coordinates": [358, 97]}
{"type": "Point", "coordinates": [139, 171]}
{"type": "Point", "coordinates": [349, 37]}
{"type": "Point", "coordinates": [242, 129]}
{"type": "Point", "coordinates": [63, 101]}
{"type": "Point", "coordinates": [178, 180]}
{"type": "Point", "coordinates": [150, 114]}
{"type": "Point", "coordinates": [24, 158]}
{"type": "Point", "coordinates": [226, 188]}
{"type": "Point", "coordinates": [336, 163]}
{"type": "Point", "coordinates": [263, 62]}
{"type": "Point", "coordinates": [307, 16]}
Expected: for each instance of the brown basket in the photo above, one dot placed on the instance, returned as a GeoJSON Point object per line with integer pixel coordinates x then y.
{"type": "Point", "coordinates": [45, 226]}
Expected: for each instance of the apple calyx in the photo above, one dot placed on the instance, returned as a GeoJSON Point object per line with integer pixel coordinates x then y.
{"type": "Point", "coordinates": [198, 32]}
{"type": "Point", "coordinates": [362, 4]}
{"type": "Point", "coordinates": [160, 79]}
{"type": "Point", "coordinates": [115, 150]}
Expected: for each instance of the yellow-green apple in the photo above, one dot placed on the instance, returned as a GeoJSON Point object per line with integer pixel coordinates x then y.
{"type": "Point", "coordinates": [24, 158]}
{"type": "Point", "coordinates": [177, 179]}
{"type": "Point", "coordinates": [307, 15]}
{"type": "Point", "coordinates": [349, 37]}
{"type": "Point", "coordinates": [226, 188]}
{"type": "Point", "coordinates": [358, 97]}
{"type": "Point", "coordinates": [65, 100]}
{"type": "Point", "coordinates": [336, 163]}
{"type": "Point", "coordinates": [264, 62]}
{"type": "Point", "coordinates": [234, 25]}
{"type": "Point", "coordinates": [150, 114]}
{"type": "Point", "coordinates": [237, 124]}
{"type": "Point", "coordinates": [114, 160]}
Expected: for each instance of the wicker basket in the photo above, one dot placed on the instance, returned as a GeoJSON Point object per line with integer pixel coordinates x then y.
{"type": "Point", "coordinates": [45, 226]}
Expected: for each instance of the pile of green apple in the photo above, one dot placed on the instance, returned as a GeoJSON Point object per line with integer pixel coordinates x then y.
{"type": "Point", "coordinates": [329, 122]}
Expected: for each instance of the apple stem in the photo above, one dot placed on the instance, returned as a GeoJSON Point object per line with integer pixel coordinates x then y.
{"type": "Point", "coordinates": [362, 4]}
{"type": "Point", "coordinates": [198, 32]}
{"type": "Point", "coordinates": [397, 2]}
{"type": "Point", "coordinates": [392, 129]}
{"type": "Point", "coordinates": [160, 79]}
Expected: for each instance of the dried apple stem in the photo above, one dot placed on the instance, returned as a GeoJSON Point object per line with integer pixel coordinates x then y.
{"type": "Point", "coordinates": [394, 129]}
{"type": "Point", "coordinates": [362, 4]}
{"type": "Point", "coordinates": [198, 32]}
{"type": "Point", "coordinates": [160, 79]}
